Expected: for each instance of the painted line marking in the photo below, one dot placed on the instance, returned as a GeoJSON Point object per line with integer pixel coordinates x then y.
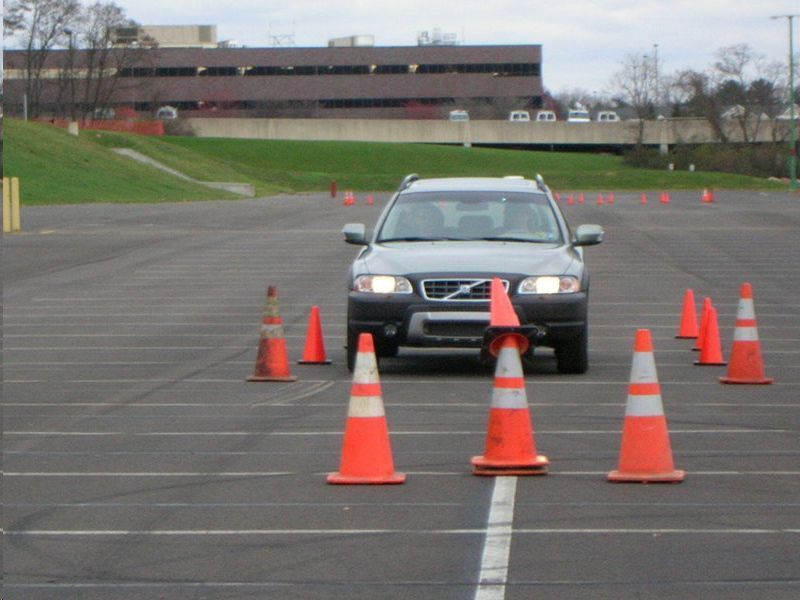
{"type": "Point", "coordinates": [493, 573]}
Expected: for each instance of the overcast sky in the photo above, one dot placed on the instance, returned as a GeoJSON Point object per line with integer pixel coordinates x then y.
{"type": "Point", "coordinates": [583, 42]}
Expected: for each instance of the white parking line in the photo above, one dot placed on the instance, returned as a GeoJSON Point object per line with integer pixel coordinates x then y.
{"type": "Point", "coordinates": [497, 545]}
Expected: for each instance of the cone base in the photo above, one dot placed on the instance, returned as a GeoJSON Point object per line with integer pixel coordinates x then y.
{"type": "Point", "coordinates": [535, 466]}
{"type": "Point", "coordinates": [313, 362]}
{"type": "Point", "coordinates": [709, 364]}
{"type": "Point", "coordinates": [272, 378]}
{"type": "Point", "coordinates": [670, 477]}
{"type": "Point", "coordinates": [734, 380]}
{"type": "Point", "coordinates": [685, 337]}
{"type": "Point", "coordinates": [393, 479]}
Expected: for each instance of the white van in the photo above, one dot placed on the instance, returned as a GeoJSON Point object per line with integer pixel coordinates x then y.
{"type": "Point", "coordinates": [546, 115]}
{"type": "Point", "coordinates": [167, 113]}
{"type": "Point", "coordinates": [519, 116]}
{"type": "Point", "coordinates": [459, 115]}
{"type": "Point", "coordinates": [607, 116]}
{"type": "Point", "coordinates": [578, 115]}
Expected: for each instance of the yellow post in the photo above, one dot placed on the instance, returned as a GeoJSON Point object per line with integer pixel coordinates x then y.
{"type": "Point", "coordinates": [6, 205]}
{"type": "Point", "coordinates": [16, 221]}
{"type": "Point", "coordinates": [11, 210]}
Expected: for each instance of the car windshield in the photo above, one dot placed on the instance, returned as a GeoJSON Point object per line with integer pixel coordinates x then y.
{"type": "Point", "coordinates": [473, 215]}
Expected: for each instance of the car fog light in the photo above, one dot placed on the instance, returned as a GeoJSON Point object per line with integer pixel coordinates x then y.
{"type": "Point", "coordinates": [390, 330]}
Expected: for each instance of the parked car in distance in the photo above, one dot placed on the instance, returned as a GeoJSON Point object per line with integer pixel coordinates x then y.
{"type": "Point", "coordinates": [422, 277]}
{"type": "Point", "coordinates": [546, 115]}
{"type": "Point", "coordinates": [459, 115]}
{"type": "Point", "coordinates": [519, 116]}
{"type": "Point", "coordinates": [167, 113]}
{"type": "Point", "coordinates": [607, 116]}
{"type": "Point", "coordinates": [578, 115]}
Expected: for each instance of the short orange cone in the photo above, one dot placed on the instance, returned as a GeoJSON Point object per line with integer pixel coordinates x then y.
{"type": "Point", "coordinates": [510, 446]}
{"type": "Point", "coordinates": [600, 199]}
{"type": "Point", "coordinates": [643, 198]}
{"type": "Point", "coordinates": [370, 200]}
{"type": "Point", "coordinates": [711, 352]}
{"type": "Point", "coordinates": [581, 198]}
{"type": "Point", "coordinates": [366, 453]}
{"type": "Point", "coordinates": [570, 200]}
{"type": "Point", "coordinates": [708, 196]}
{"type": "Point", "coordinates": [664, 198]}
{"type": "Point", "coordinates": [611, 197]}
{"type": "Point", "coordinates": [349, 198]}
{"type": "Point", "coordinates": [688, 328]}
{"type": "Point", "coordinates": [704, 316]}
{"type": "Point", "coordinates": [746, 365]}
{"type": "Point", "coordinates": [314, 353]}
{"type": "Point", "coordinates": [646, 453]}
{"type": "Point", "coordinates": [272, 362]}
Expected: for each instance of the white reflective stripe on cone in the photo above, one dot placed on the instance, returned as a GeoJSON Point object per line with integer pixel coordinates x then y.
{"type": "Point", "coordinates": [746, 309]}
{"type": "Point", "coordinates": [366, 370]}
{"type": "Point", "coordinates": [643, 368]}
{"type": "Point", "coordinates": [509, 398]}
{"type": "Point", "coordinates": [745, 334]}
{"type": "Point", "coordinates": [508, 363]}
{"type": "Point", "coordinates": [644, 406]}
{"type": "Point", "coordinates": [365, 406]}
{"type": "Point", "coordinates": [271, 330]}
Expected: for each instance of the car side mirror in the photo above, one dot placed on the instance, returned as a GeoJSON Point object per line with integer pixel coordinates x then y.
{"type": "Point", "coordinates": [355, 233]}
{"type": "Point", "coordinates": [588, 235]}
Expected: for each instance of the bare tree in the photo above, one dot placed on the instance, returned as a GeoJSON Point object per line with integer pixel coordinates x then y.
{"type": "Point", "coordinates": [42, 24]}
{"type": "Point", "coordinates": [636, 83]}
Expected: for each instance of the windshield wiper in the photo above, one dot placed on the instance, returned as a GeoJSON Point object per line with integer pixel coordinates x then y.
{"type": "Point", "coordinates": [412, 238]}
{"type": "Point", "coordinates": [501, 238]}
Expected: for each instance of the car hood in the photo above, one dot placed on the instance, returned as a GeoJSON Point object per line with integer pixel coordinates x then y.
{"type": "Point", "coordinates": [408, 258]}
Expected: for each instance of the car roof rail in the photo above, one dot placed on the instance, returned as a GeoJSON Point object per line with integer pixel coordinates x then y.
{"type": "Point", "coordinates": [540, 182]}
{"type": "Point", "coordinates": [408, 180]}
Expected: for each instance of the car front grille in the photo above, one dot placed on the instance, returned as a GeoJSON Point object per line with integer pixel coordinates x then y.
{"type": "Point", "coordinates": [459, 290]}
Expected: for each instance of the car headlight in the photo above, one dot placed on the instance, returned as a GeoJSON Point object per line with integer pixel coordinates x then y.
{"type": "Point", "coordinates": [382, 284]}
{"type": "Point", "coordinates": [550, 284]}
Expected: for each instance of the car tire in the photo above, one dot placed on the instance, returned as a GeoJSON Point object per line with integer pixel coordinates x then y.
{"type": "Point", "coordinates": [572, 357]}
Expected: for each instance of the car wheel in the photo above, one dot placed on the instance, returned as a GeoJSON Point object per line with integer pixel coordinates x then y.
{"type": "Point", "coordinates": [573, 356]}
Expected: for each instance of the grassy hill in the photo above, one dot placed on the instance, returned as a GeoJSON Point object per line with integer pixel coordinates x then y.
{"type": "Point", "coordinates": [58, 168]}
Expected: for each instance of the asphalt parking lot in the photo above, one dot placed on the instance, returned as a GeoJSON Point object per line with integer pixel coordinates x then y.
{"type": "Point", "coordinates": [139, 463]}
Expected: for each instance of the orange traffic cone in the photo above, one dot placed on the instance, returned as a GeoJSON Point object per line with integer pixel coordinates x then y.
{"type": "Point", "coordinates": [581, 198]}
{"type": "Point", "coordinates": [570, 200]}
{"type": "Point", "coordinates": [643, 198]}
{"type": "Point", "coordinates": [370, 200]}
{"type": "Point", "coordinates": [664, 198]}
{"type": "Point", "coordinates": [349, 198]}
{"type": "Point", "coordinates": [711, 352]}
{"type": "Point", "coordinates": [558, 197]}
{"type": "Point", "coordinates": [611, 197]}
{"type": "Point", "coordinates": [688, 329]}
{"type": "Point", "coordinates": [646, 453]}
{"type": "Point", "coordinates": [366, 453]}
{"type": "Point", "coordinates": [510, 447]}
{"type": "Point", "coordinates": [600, 199]}
{"type": "Point", "coordinates": [704, 316]}
{"type": "Point", "coordinates": [746, 365]}
{"type": "Point", "coordinates": [314, 353]}
{"type": "Point", "coordinates": [708, 195]}
{"type": "Point", "coordinates": [272, 362]}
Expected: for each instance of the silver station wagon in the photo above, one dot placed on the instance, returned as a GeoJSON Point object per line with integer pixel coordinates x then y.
{"type": "Point", "coordinates": [423, 276]}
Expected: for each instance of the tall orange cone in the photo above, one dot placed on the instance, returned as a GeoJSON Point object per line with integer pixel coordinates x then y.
{"type": "Point", "coordinates": [510, 447]}
{"type": "Point", "coordinates": [272, 362]}
{"type": "Point", "coordinates": [646, 453]}
{"type": "Point", "coordinates": [711, 352]}
{"type": "Point", "coordinates": [688, 328]}
{"type": "Point", "coordinates": [314, 353]}
{"type": "Point", "coordinates": [746, 364]}
{"type": "Point", "coordinates": [366, 453]}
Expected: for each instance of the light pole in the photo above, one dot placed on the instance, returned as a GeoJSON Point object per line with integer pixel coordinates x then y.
{"type": "Point", "coordinates": [792, 116]}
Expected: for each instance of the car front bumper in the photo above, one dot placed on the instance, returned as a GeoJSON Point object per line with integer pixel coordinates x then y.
{"type": "Point", "coordinates": [409, 320]}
